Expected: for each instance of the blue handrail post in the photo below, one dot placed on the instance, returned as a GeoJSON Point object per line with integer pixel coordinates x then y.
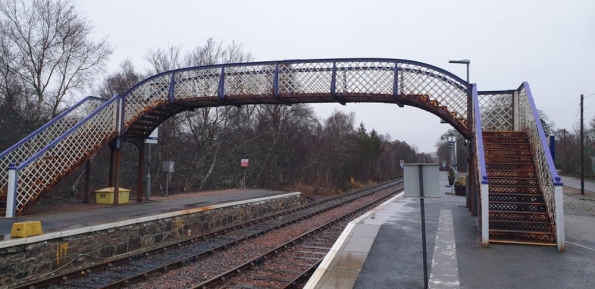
{"type": "Point", "coordinates": [12, 190]}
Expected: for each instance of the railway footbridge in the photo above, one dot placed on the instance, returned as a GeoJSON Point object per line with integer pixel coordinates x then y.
{"type": "Point", "coordinates": [515, 190]}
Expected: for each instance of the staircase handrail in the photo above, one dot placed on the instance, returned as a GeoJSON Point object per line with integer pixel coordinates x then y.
{"type": "Point", "coordinates": [66, 133]}
{"type": "Point", "coordinates": [550, 181]}
{"type": "Point", "coordinates": [481, 174]}
{"type": "Point", "coordinates": [48, 124]}
{"type": "Point", "coordinates": [32, 137]}
{"type": "Point", "coordinates": [96, 129]}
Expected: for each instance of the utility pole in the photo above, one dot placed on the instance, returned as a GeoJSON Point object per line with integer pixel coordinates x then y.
{"type": "Point", "coordinates": [582, 152]}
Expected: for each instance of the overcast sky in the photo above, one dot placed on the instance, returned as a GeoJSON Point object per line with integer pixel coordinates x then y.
{"type": "Point", "coordinates": [550, 44]}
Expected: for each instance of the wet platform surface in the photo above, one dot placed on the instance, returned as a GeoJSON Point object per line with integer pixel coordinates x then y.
{"type": "Point", "coordinates": [382, 249]}
{"type": "Point", "coordinates": [94, 214]}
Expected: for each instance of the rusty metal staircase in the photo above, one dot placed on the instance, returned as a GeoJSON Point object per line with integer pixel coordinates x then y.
{"type": "Point", "coordinates": [520, 194]}
{"type": "Point", "coordinates": [517, 208]}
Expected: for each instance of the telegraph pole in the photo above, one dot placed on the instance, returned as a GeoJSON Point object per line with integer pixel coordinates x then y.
{"type": "Point", "coordinates": [582, 151]}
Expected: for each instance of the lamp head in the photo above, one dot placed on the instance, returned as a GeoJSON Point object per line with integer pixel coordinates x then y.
{"type": "Point", "coordinates": [463, 61]}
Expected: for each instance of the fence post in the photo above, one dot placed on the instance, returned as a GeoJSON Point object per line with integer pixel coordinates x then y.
{"type": "Point", "coordinates": [12, 190]}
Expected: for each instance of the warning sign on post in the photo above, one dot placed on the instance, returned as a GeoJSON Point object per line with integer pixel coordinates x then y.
{"type": "Point", "coordinates": [244, 163]}
{"type": "Point", "coordinates": [429, 177]}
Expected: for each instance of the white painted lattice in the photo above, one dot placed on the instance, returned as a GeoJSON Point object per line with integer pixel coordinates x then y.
{"type": "Point", "coordinates": [529, 122]}
{"type": "Point", "coordinates": [23, 150]}
{"type": "Point", "coordinates": [253, 80]}
{"type": "Point", "coordinates": [372, 77]}
{"type": "Point", "coordinates": [55, 151]}
{"type": "Point", "coordinates": [497, 110]}
{"type": "Point", "coordinates": [415, 79]}
{"type": "Point", "coordinates": [197, 83]}
{"type": "Point", "coordinates": [59, 159]}
{"type": "Point", "coordinates": [153, 92]}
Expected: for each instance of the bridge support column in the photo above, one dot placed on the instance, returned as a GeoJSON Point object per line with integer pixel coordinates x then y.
{"type": "Point", "coordinates": [140, 171]}
{"type": "Point", "coordinates": [87, 177]}
{"type": "Point", "coordinates": [112, 155]}
{"type": "Point", "coordinates": [473, 185]}
{"type": "Point", "coordinates": [115, 162]}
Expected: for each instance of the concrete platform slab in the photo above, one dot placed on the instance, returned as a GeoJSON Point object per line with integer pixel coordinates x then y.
{"type": "Point", "coordinates": [395, 257]}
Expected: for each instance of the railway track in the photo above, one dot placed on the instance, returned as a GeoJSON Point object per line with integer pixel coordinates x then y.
{"type": "Point", "coordinates": [130, 269]}
{"type": "Point", "coordinates": [291, 264]}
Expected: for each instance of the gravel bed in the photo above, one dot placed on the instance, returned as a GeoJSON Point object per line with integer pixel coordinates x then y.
{"type": "Point", "coordinates": [152, 261]}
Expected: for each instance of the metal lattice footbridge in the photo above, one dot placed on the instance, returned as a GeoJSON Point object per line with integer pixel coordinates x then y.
{"type": "Point", "coordinates": [33, 166]}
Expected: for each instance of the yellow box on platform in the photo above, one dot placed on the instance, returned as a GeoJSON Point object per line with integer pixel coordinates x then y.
{"type": "Point", "coordinates": [26, 229]}
{"type": "Point", "coordinates": [106, 196]}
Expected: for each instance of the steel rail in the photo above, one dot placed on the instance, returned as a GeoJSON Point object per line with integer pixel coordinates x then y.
{"type": "Point", "coordinates": [217, 280]}
{"type": "Point", "coordinates": [126, 258]}
{"type": "Point", "coordinates": [179, 263]}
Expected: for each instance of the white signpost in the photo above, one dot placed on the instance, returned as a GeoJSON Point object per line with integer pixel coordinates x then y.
{"type": "Point", "coordinates": [152, 139]}
{"type": "Point", "coordinates": [421, 181]}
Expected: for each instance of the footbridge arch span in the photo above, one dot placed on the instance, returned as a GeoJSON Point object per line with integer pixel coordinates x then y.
{"type": "Point", "coordinates": [402, 82]}
{"type": "Point", "coordinates": [27, 174]}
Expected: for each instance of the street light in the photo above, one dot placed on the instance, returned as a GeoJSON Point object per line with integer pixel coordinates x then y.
{"type": "Point", "coordinates": [463, 61]}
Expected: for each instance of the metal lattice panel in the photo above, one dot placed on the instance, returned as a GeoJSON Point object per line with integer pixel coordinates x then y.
{"type": "Point", "coordinates": [376, 78]}
{"type": "Point", "coordinates": [249, 81]}
{"type": "Point", "coordinates": [514, 189]}
{"type": "Point", "coordinates": [514, 181]}
{"type": "Point", "coordinates": [509, 159]}
{"type": "Point", "coordinates": [512, 216]}
{"type": "Point", "coordinates": [516, 198]}
{"type": "Point", "coordinates": [512, 174]}
{"type": "Point", "coordinates": [46, 134]}
{"type": "Point", "coordinates": [543, 227]}
{"type": "Point", "coordinates": [144, 97]}
{"type": "Point", "coordinates": [197, 83]}
{"type": "Point", "coordinates": [61, 158]}
{"type": "Point", "coordinates": [496, 111]}
{"type": "Point", "coordinates": [509, 153]}
{"type": "Point", "coordinates": [517, 207]}
{"type": "Point", "coordinates": [443, 89]}
{"type": "Point", "coordinates": [305, 78]}
{"type": "Point", "coordinates": [544, 238]}
{"type": "Point", "coordinates": [528, 124]}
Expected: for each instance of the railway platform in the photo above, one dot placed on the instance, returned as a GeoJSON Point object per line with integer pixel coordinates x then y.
{"type": "Point", "coordinates": [383, 249]}
{"type": "Point", "coordinates": [88, 215]}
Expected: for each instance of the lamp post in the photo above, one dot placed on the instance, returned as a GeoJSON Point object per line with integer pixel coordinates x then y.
{"type": "Point", "coordinates": [462, 61]}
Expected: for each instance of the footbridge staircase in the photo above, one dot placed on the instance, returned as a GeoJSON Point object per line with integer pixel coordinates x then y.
{"type": "Point", "coordinates": [521, 203]}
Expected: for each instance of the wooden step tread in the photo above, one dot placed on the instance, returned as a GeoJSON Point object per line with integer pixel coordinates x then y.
{"type": "Point", "coordinates": [522, 231]}
{"type": "Point", "coordinates": [513, 178]}
{"type": "Point", "coordinates": [515, 186]}
{"type": "Point", "coordinates": [519, 222]}
{"type": "Point", "coordinates": [517, 212]}
{"type": "Point", "coordinates": [518, 203]}
{"type": "Point", "coordinates": [504, 143]}
{"type": "Point", "coordinates": [517, 194]}
{"type": "Point", "coordinates": [501, 241]}
{"type": "Point", "coordinates": [506, 149]}
{"type": "Point", "coordinates": [510, 164]}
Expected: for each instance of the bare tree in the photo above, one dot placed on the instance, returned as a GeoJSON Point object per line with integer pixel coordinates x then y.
{"type": "Point", "coordinates": [119, 82]}
{"type": "Point", "coordinates": [45, 52]}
